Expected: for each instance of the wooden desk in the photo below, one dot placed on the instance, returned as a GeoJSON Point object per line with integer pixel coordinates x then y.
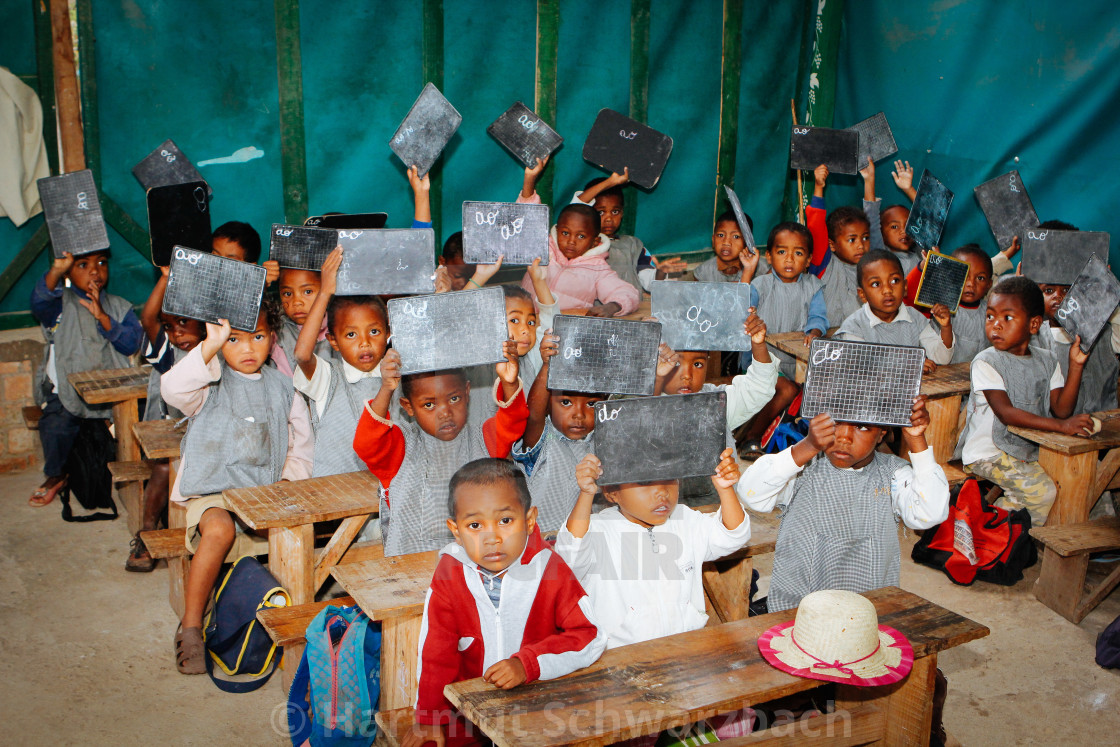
{"type": "Point", "coordinates": [159, 439]}
{"type": "Point", "coordinates": [643, 310]}
{"type": "Point", "coordinates": [121, 387]}
{"type": "Point", "coordinates": [647, 687]}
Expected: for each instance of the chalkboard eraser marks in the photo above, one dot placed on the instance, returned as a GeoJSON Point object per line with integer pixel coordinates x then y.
{"type": "Point", "coordinates": [942, 281]}
{"type": "Point", "coordinates": [862, 382]}
{"type": "Point", "coordinates": [1055, 257]}
{"type": "Point", "coordinates": [929, 212]}
{"type": "Point", "coordinates": [809, 147]}
{"type": "Point", "coordinates": [660, 438]}
{"type": "Point", "coordinates": [876, 141]}
{"type": "Point", "coordinates": [517, 231]}
{"type": "Point", "coordinates": [525, 135]}
{"type": "Point", "coordinates": [617, 142]}
{"type": "Point", "coordinates": [386, 261]}
{"type": "Point", "coordinates": [702, 316]}
{"type": "Point", "coordinates": [166, 165]}
{"type": "Point", "coordinates": [1089, 303]}
{"type": "Point", "coordinates": [73, 212]}
{"type": "Point", "coordinates": [1007, 207]}
{"type": "Point", "coordinates": [449, 330]}
{"type": "Point", "coordinates": [426, 130]}
{"type": "Point", "coordinates": [207, 287]}
{"type": "Point", "coordinates": [604, 356]}
{"type": "Point", "coordinates": [300, 247]}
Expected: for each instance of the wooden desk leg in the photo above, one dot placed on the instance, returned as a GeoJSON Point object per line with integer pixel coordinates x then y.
{"type": "Point", "coordinates": [942, 431]}
{"type": "Point", "coordinates": [1074, 475]}
{"type": "Point", "coordinates": [908, 704]}
{"type": "Point", "coordinates": [291, 558]}
{"type": "Point", "coordinates": [131, 494]}
{"type": "Point", "coordinates": [1061, 583]}
{"type": "Point", "coordinates": [800, 369]}
{"type": "Point", "coordinates": [400, 639]}
{"type": "Point", "coordinates": [727, 585]}
{"type": "Point", "coordinates": [177, 567]}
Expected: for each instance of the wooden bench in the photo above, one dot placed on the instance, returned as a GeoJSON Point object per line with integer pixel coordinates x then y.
{"type": "Point", "coordinates": [164, 544]}
{"type": "Point", "coordinates": [954, 472]}
{"type": "Point", "coordinates": [31, 416]}
{"type": "Point", "coordinates": [1065, 563]}
{"type": "Point", "coordinates": [137, 471]}
{"type": "Point", "coordinates": [393, 725]}
{"type": "Point", "coordinates": [287, 626]}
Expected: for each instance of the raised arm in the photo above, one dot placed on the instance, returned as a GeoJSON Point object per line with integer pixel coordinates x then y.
{"type": "Point", "coordinates": [421, 186]}
{"type": "Point", "coordinates": [588, 471]}
{"type": "Point", "coordinates": [614, 180]}
{"type": "Point", "coordinates": [903, 176]}
{"type": "Point", "coordinates": [149, 315]}
{"type": "Point", "coordinates": [538, 394]}
{"type": "Point", "coordinates": [532, 176]}
{"type": "Point", "coordinates": [309, 334]}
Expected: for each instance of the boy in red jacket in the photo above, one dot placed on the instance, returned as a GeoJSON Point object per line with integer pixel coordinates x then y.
{"type": "Point", "coordinates": [502, 605]}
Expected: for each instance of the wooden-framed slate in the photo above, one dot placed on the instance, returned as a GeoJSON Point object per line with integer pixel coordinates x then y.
{"type": "Point", "coordinates": [617, 142]}
{"type": "Point", "coordinates": [1054, 256]}
{"type": "Point", "coordinates": [386, 261]}
{"type": "Point", "coordinates": [1089, 302]}
{"type": "Point", "coordinates": [1007, 207]}
{"type": "Point", "coordinates": [449, 330]}
{"type": "Point", "coordinates": [207, 287]}
{"type": "Point", "coordinates": [300, 247]}
{"type": "Point", "coordinates": [606, 356]}
{"type": "Point", "coordinates": [929, 212]}
{"type": "Point", "coordinates": [809, 147]}
{"type": "Point", "coordinates": [741, 219]}
{"type": "Point", "coordinates": [167, 165]}
{"type": "Point", "coordinates": [862, 382]}
{"type": "Point", "coordinates": [525, 135]}
{"type": "Point", "coordinates": [702, 316]}
{"type": "Point", "coordinates": [519, 231]}
{"type": "Point", "coordinates": [942, 281]}
{"type": "Point", "coordinates": [73, 213]}
{"type": "Point", "coordinates": [426, 130]}
{"type": "Point", "coordinates": [178, 215]}
{"type": "Point", "coordinates": [876, 140]}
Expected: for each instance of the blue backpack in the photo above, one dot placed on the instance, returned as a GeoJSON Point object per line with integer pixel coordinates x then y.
{"type": "Point", "coordinates": [335, 690]}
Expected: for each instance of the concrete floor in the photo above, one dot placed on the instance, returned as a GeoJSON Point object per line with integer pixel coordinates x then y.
{"type": "Point", "coordinates": [86, 652]}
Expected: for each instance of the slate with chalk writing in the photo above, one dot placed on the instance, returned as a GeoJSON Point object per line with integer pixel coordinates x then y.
{"type": "Point", "coordinates": [942, 281]}
{"type": "Point", "coordinates": [525, 135]}
{"type": "Point", "coordinates": [167, 165]}
{"type": "Point", "coordinates": [1007, 206]}
{"type": "Point", "coordinates": [1055, 257]}
{"type": "Point", "coordinates": [702, 316]}
{"type": "Point", "coordinates": [741, 219]}
{"type": "Point", "coordinates": [809, 147]}
{"type": "Point", "coordinates": [449, 330]}
{"type": "Point", "coordinates": [930, 211]}
{"type": "Point", "coordinates": [386, 260]}
{"type": "Point", "coordinates": [207, 287]}
{"type": "Point", "coordinates": [862, 382]}
{"type": "Point", "coordinates": [617, 142]}
{"type": "Point", "coordinates": [876, 141]}
{"type": "Point", "coordinates": [178, 215]}
{"type": "Point", "coordinates": [642, 439]}
{"type": "Point", "coordinates": [518, 231]}
{"type": "Point", "coordinates": [73, 212]}
{"type": "Point", "coordinates": [604, 356]}
{"type": "Point", "coordinates": [348, 220]}
{"type": "Point", "coordinates": [1089, 303]}
{"type": "Point", "coordinates": [426, 130]}
{"type": "Point", "coordinates": [300, 247]}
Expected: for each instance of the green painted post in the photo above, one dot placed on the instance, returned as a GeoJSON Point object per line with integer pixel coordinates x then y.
{"type": "Point", "coordinates": [732, 66]}
{"type": "Point", "coordinates": [544, 97]}
{"type": "Point", "coordinates": [639, 95]}
{"type": "Point", "coordinates": [129, 229]}
{"type": "Point", "coordinates": [23, 260]}
{"type": "Point", "coordinates": [289, 71]}
{"type": "Point", "coordinates": [44, 61]}
{"type": "Point", "coordinates": [431, 54]}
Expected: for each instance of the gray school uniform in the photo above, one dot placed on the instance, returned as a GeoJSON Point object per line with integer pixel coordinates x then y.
{"type": "Point", "coordinates": [1027, 378]}
{"type": "Point", "coordinates": [903, 330]}
{"type": "Point", "coordinates": [840, 290]}
{"type": "Point", "coordinates": [1098, 378]}
{"type": "Point", "coordinates": [552, 477]}
{"type": "Point", "coordinates": [839, 531]}
{"type": "Point", "coordinates": [968, 332]}
{"type": "Point", "coordinates": [334, 429]}
{"type": "Point", "coordinates": [623, 259]}
{"type": "Point", "coordinates": [708, 272]}
{"type": "Point", "coordinates": [287, 337]}
{"type": "Point", "coordinates": [909, 260]}
{"type": "Point", "coordinates": [785, 308]}
{"type": "Point", "coordinates": [155, 408]}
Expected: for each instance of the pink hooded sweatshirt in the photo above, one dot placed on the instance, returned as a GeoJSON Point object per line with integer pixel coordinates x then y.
{"type": "Point", "coordinates": [578, 282]}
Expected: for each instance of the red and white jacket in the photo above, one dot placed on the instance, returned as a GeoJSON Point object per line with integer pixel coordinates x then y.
{"type": "Point", "coordinates": [543, 619]}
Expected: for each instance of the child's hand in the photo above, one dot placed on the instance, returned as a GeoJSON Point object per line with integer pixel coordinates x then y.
{"type": "Point", "coordinates": [813, 334]}
{"type": "Point", "coordinates": [822, 432]}
{"type": "Point", "coordinates": [1076, 357]}
{"type": "Point", "coordinates": [272, 273]}
{"type": "Point", "coordinates": [749, 262]}
{"type": "Point", "coordinates": [919, 417]}
{"type": "Point", "coordinates": [506, 673]}
{"type": "Point", "coordinates": [419, 184]}
{"type": "Point", "coordinates": [216, 336]}
{"type": "Point", "coordinates": [1078, 425]}
{"type": "Point", "coordinates": [1012, 250]}
{"type": "Point", "coordinates": [940, 312]}
{"type": "Point", "coordinates": [93, 306]}
{"type": "Point", "coordinates": [534, 172]}
{"type": "Point", "coordinates": [903, 175]}
{"type": "Point", "coordinates": [604, 309]}
{"type": "Point", "coordinates": [483, 272]}
{"type": "Point", "coordinates": [329, 272]}
{"type": "Point", "coordinates": [550, 345]}
{"type": "Point", "coordinates": [669, 266]}
{"type": "Point", "coordinates": [820, 176]}
{"type": "Point", "coordinates": [391, 370]}
{"type": "Point", "coordinates": [443, 279]}
{"type": "Point", "coordinates": [727, 471]}
{"type": "Point", "coordinates": [421, 734]}
{"type": "Point", "coordinates": [165, 271]}
{"type": "Point", "coordinates": [61, 265]}
{"type": "Point", "coordinates": [755, 327]}
{"type": "Point", "coordinates": [868, 171]}
{"type": "Point", "coordinates": [667, 360]}
{"type": "Point", "coordinates": [538, 273]}
{"type": "Point", "coordinates": [507, 370]}
{"type": "Point", "coordinates": [929, 366]}
{"type": "Point", "coordinates": [617, 180]}
{"type": "Point", "coordinates": [588, 471]}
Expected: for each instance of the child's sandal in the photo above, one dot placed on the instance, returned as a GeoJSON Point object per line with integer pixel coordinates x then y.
{"type": "Point", "coordinates": [190, 651]}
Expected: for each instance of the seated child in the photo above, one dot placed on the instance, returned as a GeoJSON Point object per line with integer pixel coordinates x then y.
{"type": "Point", "coordinates": [247, 428]}
{"type": "Point", "coordinates": [968, 322]}
{"type": "Point", "coordinates": [452, 258]}
{"type": "Point", "coordinates": [240, 241]}
{"type": "Point", "coordinates": [840, 516]}
{"type": "Point", "coordinates": [839, 241]}
{"type": "Point", "coordinates": [86, 329]}
{"type": "Point", "coordinates": [498, 561]}
{"type": "Point", "coordinates": [732, 256]}
{"type": "Point", "coordinates": [884, 318]}
{"type": "Point", "coordinates": [1016, 383]}
{"type": "Point", "coordinates": [578, 273]}
{"type": "Point", "coordinates": [414, 460]}
{"type": "Point", "coordinates": [888, 231]}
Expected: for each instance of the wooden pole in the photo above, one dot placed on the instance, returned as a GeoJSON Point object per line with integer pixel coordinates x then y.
{"type": "Point", "coordinates": [289, 70]}
{"type": "Point", "coordinates": [800, 187]}
{"type": "Point", "coordinates": [544, 93]}
{"type": "Point", "coordinates": [730, 78]}
{"type": "Point", "coordinates": [67, 94]}
{"type": "Point", "coordinates": [639, 96]}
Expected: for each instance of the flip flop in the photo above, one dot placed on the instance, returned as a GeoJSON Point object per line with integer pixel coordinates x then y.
{"type": "Point", "coordinates": [43, 496]}
{"type": "Point", "coordinates": [190, 651]}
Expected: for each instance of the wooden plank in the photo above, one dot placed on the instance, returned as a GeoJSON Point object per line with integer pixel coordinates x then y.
{"type": "Point", "coordinates": [1078, 539]}
{"type": "Point", "coordinates": [67, 94]}
{"type": "Point", "coordinates": [1061, 583]}
{"type": "Point", "coordinates": [544, 90]}
{"type": "Point", "coordinates": [125, 416]}
{"type": "Point", "coordinates": [639, 96]}
{"type": "Point", "coordinates": [1108, 438]}
{"type": "Point", "coordinates": [1107, 470]}
{"type": "Point", "coordinates": [159, 438]}
{"type": "Point", "coordinates": [287, 504]}
{"type": "Point", "coordinates": [339, 543]}
{"type": "Point", "coordinates": [165, 543]}
{"type": "Point", "coordinates": [288, 625]}
{"type": "Point", "coordinates": [731, 65]}
{"type": "Point", "coordinates": [431, 58]}
{"type": "Point", "coordinates": [859, 725]}
{"type": "Point", "coordinates": [289, 70]}
{"type": "Point", "coordinates": [391, 587]}
{"type": "Point", "coordinates": [1074, 474]}
{"type": "Point", "coordinates": [131, 471]}
{"type": "Point", "coordinates": [177, 568]}
{"type": "Point", "coordinates": [941, 433]}
{"type": "Point", "coordinates": [394, 724]}
{"type": "Point", "coordinates": [87, 81]}
{"type": "Point", "coordinates": [1097, 594]}
{"type": "Point", "coordinates": [907, 705]}
{"type": "Point", "coordinates": [44, 64]}
{"type": "Point", "coordinates": [31, 416]}
{"type": "Point", "coordinates": [24, 259]}
{"type": "Point", "coordinates": [400, 642]}
{"type": "Point", "coordinates": [727, 586]}
{"type": "Point", "coordinates": [111, 385]}
{"type": "Point", "coordinates": [291, 559]}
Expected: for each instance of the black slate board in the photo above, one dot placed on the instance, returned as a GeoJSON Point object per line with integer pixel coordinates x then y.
{"type": "Point", "coordinates": [643, 439]}
{"type": "Point", "coordinates": [386, 260]}
{"type": "Point", "coordinates": [178, 215]}
{"type": "Point", "coordinates": [942, 281]}
{"type": "Point", "coordinates": [207, 287]}
{"type": "Point", "coordinates": [1089, 303]}
{"type": "Point", "coordinates": [426, 130]}
{"type": "Point", "coordinates": [166, 165]}
{"type": "Point", "coordinates": [525, 135]}
{"type": "Point", "coordinates": [73, 213]}
{"type": "Point", "coordinates": [930, 211]}
{"type": "Point", "coordinates": [809, 147]}
{"type": "Point", "coordinates": [702, 316]}
{"type": "Point", "coordinates": [617, 142]}
{"type": "Point", "coordinates": [741, 219]}
{"type": "Point", "coordinates": [1055, 257]}
{"type": "Point", "coordinates": [605, 356]}
{"type": "Point", "coordinates": [876, 140]}
{"type": "Point", "coordinates": [862, 382]}
{"type": "Point", "coordinates": [300, 247]}
{"type": "Point", "coordinates": [348, 220]}
{"type": "Point", "coordinates": [449, 330]}
{"type": "Point", "coordinates": [517, 230]}
{"type": "Point", "coordinates": [1007, 206]}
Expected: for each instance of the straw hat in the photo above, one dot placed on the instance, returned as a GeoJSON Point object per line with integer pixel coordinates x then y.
{"type": "Point", "coordinates": [836, 637]}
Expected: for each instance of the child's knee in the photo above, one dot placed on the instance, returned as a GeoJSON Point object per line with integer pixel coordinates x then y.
{"type": "Point", "coordinates": [785, 388]}
{"type": "Point", "coordinates": [216, 525]}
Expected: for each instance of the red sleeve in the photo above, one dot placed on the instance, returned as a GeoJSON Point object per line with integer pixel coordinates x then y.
{"type": "Point", "coordinates": [815, 220]}
{"type": "Point", "coordinates": [380, 445]}
{"type": "Point", "coordinates": [438, 664]}
{"type": "Point", "coordinates": [503, 430]}
{"type": "Point", "coordinates": [912, 281]}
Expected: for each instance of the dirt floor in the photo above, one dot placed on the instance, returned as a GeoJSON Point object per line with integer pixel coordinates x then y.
{"type": "Point", "coordinates": [86, 653]}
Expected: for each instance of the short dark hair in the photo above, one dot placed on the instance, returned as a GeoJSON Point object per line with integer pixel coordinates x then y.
{"type": "Point", "coordinates": [243, 235]}
{"type": "Point", "coordinates": [586, 211]}
{"type": "Point", "coordinates": [337, 303]}
{"type": "Point", "coordinates": [515, 291]}
{"type": "Point", "coordinates": [1026, 290]}
{"type": "Point", "coordinates": [876, 255]}
{"type": "Point", "coordinates": [273, 313]}
{"type": "Point", "coordinates": [974, 250]}
{"type": "Point", "coordinates": [1058, 225]}
{"type": "Point", "coordinates": [791, 227]}
{"type": "Point", "coordinates": [409, 380]}
{"type": "Point", "coordinates": [453, 247]}
{"type": "Point", "coordinates": [615, 191]}
{"type": "Point", "coordinates": [842, 216]}
{"type": "Point", "coordinates": [489, 471]}
{"type": "Point", "coordinates": [728, 216]}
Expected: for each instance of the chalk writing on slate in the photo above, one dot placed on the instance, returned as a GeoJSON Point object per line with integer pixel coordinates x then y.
{"type": "Point", "coordinates": [876, 141]}
{"type": "Point", "coordinates": [1055, 257]}
{"type": "Point", "coordinates": [862, 382]}
{"type": "Point", "coordinates": [348, 220]}
{"type": "Point", "coordinates": [809, 147]}
{"type": "Point", "coordinates": [1007, 206]}
{"type": "Point", "coordinates": [942, 281]}
{"type": "Point", "coordinates": [517, 230]}
{"type": "Point", "coordinates": [702, 316]}
{"type": "Point", "coordinates": [73, 213]}
{"type": "Point", "coordinates": [930, 211]}
{"type": "Point", "coordinates": [1089, 303]}
{"type": "Point", "coordinates": [301, 248]}
{"type": "Point", "coordinates": [606, 356]}
{"type": "Point", "coordinates": [426, 130]}
{"type": "Point", "coordinates": [617, 142]}
{"type": "Point", "coordinates": [674, 436]}
{"type": "Point", "coordinates": [525, 135]}
{"type": "Point", "coordinates": [741, 219]}
{"type": "Point", "coordinates": [166, 165]}
{"type": "Point", "coordinates": [449, 330]}
{"type": "Point", "coordinates": [178, 215]}
{"type": "Point", "coordinates": [207, 287]}
{"type": "Point", "coordinates": [387, 260]}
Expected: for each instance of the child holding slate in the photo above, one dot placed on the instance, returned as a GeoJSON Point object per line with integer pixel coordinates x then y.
{"type": "Point", "coordinates": [838, 243]}
{"type": "Point", "coordinates": [732, 256]}
{"type": "Point", "coordinates": [888, 230]}
{"type": "Point", "coordinates": [968, 322]}
{"type": "Point", "coordinates": [1016, 383]}
{"type": "Point", "coordinates": [247, 429]}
